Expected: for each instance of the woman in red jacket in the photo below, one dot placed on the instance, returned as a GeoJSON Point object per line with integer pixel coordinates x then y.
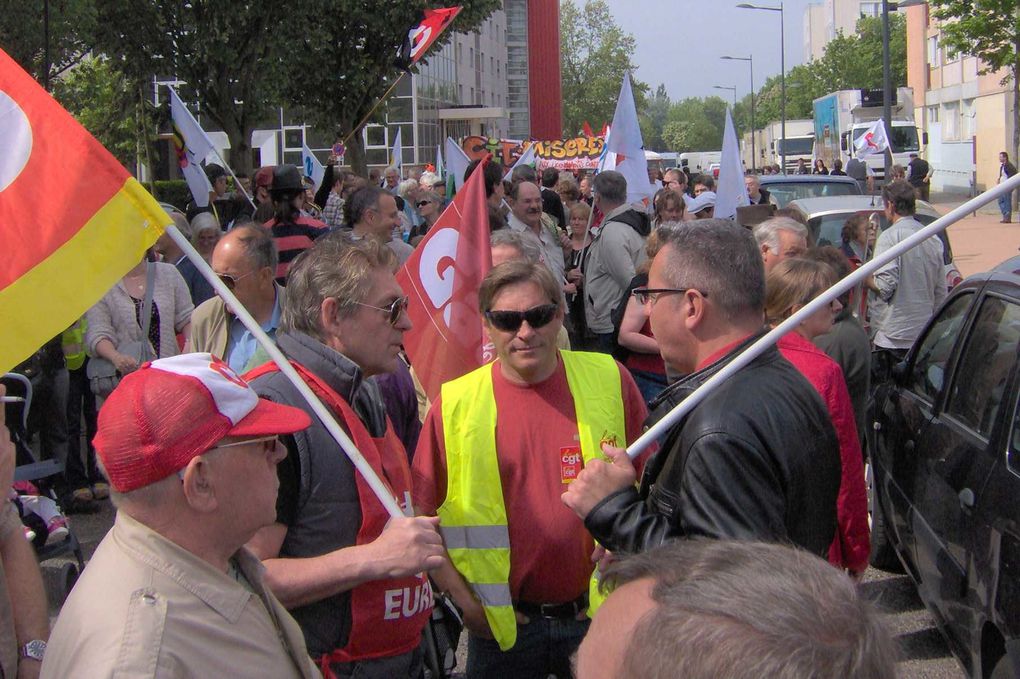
{"type": "Point", "coordinates": [789, 287]}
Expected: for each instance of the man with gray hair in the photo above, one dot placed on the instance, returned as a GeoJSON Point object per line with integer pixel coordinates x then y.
{"type": "Point", "coordinates": [354, 578]}
{"type": "Point", "coordinates": [758, 458]}
{"type": "Point", "coordinates": [617, 248]}
{"type": "Point", "coordinates": [245, 260]}
{"type": "Point", "coordinates": [742, 610]}
{"type": "Point", "coordinates": [780, 238]}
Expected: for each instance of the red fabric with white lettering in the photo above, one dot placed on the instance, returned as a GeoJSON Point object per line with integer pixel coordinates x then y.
{"type": "Point", "coordinates": [441, 280]}
{"type": "Point", "coordinates": [373, 634]}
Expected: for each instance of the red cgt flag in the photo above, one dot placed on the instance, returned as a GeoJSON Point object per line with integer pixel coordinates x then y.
{"type": "Point", "coordinates": [421, 37]}
{"type": "Point", "coordinates": [441, 279]}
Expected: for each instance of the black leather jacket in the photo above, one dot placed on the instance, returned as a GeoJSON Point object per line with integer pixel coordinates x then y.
{"type": "Point", "coordinates": [757, 460]}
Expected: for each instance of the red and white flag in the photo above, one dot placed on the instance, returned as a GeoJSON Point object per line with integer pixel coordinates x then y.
{"type": "Point", "coordinates": [421, 37]}
{"type": "Point", "coordinates": [441, 279]}
{"type": "Point", "coordinates": [874, 140]}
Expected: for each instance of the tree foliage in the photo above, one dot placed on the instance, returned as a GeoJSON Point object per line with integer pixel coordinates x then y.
{"type": "Point", "coordinates": [695, 125]}
{"type": "Point", "coordinates": [107, 105]}
{"type": "Point", "coordinates": [229, 53]}
{"type": "Point", "coordinates": [989, 30]}
{"type": "Point", "coordinates": [340, 60]}
{"type": "Point", "coordinates": [71, 25]}
{"type": "Point", "coordinates": [594, 55]}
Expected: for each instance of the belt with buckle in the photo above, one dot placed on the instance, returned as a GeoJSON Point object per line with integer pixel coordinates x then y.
{"type": "Point", "coordinates": [568, 610]}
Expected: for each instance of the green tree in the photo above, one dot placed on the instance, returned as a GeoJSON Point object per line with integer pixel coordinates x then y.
{"type": "Point", "coordinates": [107, 105]}
{"type": "Point", "coordinates": [653, 118]}
{"type": "Point", "coordinates": [594, 55]}
{"type": "Point", "coordinates": [695, 124]}
{"type": "Point", "coordinates": [71, 26]}
{"type": "Point", "coordinates": [229, 52]}
{"type": "Point", "coordinates": [340, 58]}
{"type": "Point", "coordinates": [990, 31]}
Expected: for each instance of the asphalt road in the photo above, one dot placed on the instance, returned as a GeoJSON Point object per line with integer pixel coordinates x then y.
{"type": "Point", "coordinates": [924, 652]}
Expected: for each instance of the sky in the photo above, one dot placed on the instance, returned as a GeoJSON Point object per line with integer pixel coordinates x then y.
{"type": "Point", "coordinates": [679, 43]}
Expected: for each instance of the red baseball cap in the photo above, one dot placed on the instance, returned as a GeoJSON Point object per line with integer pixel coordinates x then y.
{"type": "Point", "coordinates": [264, 177]}
{"type": "Point", "coordinates": [174, 409]}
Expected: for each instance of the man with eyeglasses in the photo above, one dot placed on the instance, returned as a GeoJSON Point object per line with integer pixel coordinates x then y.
{"type": "Point", "coordinates": [758, 458]}
{"type": "Point", "coordinates": [497, 450]}
{"type": "Point", "coordinates": [245, 260]}
{"type": "Point", "coordinates": [354, 578]}
{"type": "Point", "coordinates": [191, 452]}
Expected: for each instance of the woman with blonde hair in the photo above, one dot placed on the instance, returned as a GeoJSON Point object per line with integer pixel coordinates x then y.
{"type": "Point", "coordinates": [790, 286]}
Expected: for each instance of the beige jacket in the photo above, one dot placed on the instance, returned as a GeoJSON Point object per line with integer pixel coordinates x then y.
{"type": "Point", "coordinates": [145, 607]}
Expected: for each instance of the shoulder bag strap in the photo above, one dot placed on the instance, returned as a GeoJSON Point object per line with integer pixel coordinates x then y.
{"type": "Point", "coordinates": [150, 284]}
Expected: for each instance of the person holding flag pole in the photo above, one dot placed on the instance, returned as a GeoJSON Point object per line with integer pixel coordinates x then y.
{"type": "Point", "coordinates": [604, 494]}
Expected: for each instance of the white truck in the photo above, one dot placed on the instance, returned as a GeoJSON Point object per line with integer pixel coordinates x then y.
{"type": "Point", "coordinates": [841, 117]}
{"type": "Point", "coordinates": [696, 162]}
{"type": "Point", "coordinates": [799, 144]}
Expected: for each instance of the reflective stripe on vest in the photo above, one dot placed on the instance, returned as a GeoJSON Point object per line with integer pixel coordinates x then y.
{"type": "Point", "coordinates": [473, 517]}
{"type": "Point", "coordinates": [72, 341]}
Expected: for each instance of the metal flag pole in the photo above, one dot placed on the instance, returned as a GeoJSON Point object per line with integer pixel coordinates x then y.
{"type": "Point", "coordinates": [752, 352]}
{"type": "Point", "coordinates": [321, 411]}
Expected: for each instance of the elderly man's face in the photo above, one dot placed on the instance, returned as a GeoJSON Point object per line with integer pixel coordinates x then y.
{"type": "Point", "coordinates": [604, 647]}
{"type": "Point", "coordinates": [528, 205]}
{"type": "Point", "coordinates": [675, 182]}
{"type": "Point", "coordinates": [391, 178]}
{"type": "Point", "coordinates": [752, 185]}
{"type": "Point", "coordinates": [585, 187]}
{"type": "Point", "coordinates": [206, 241]}
{"type": "Point", "coordinates": [527, 351]}
{"type": "Point", "coordinates": [366, 335]}
{"type": "Point", "coordinates": [233, 265]}
{"type": "Point", "coordinates": [246, 483]}
{"type": "Point", "coordinates": [667, 317]}
{"type": "Point", "coordinates": [384, 218]}
{"type": "Point", "coordinates": [790, 245]}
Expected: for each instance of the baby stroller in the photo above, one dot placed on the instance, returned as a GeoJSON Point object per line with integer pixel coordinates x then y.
{"type": "Point", "coordinates": [40, 473]}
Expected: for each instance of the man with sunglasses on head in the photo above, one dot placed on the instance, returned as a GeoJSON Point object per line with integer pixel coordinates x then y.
{"type": "Point", "coordinates": [497, 450]}
{"type": "Point", "coordinates": [191, 452]}
{"type": "Point", "coordinates": [758, 458]}
{"type": "Point", "coordinates": [245, 260]}
{"type": "Point", "coordinates": [354, 578]}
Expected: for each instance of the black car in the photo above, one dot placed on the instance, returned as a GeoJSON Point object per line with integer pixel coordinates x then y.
{"type": "Point", "coordinates": [946, 471]}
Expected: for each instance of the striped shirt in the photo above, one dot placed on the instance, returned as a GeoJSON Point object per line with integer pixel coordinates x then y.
{"type": "Point", "coordinates": [292, 239]}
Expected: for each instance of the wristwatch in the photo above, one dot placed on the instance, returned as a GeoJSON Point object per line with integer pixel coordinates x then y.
{"type": "Point", "coordinates": [33, 650]}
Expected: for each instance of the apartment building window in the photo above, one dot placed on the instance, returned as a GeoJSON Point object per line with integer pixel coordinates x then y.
{"type": "Point", "coordinates": [950, 121]}
{"type": "Point", "coordinates": [933, 114]}
{"type": "Point", "coordinates": [968, 119]}
{"type": "Point", "coordinates": [871, 9]}
{"type": "Point", "coordinates": [933, 51]}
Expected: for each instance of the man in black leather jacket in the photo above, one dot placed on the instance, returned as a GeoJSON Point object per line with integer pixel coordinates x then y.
{"type": "Point", "coordinates": [758, 458]}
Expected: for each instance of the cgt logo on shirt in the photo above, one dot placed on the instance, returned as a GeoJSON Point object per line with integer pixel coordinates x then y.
{"type": "Point", "coordinates": [405, 603]}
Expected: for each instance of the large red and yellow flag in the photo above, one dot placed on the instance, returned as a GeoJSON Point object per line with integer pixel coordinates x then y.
{"type": "Point", "coordinates": [441, 280]}
{"type": "Point", "coordinates": [72, 220]}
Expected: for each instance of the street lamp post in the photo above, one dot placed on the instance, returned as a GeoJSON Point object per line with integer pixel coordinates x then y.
{"type": "Point", "coordinates": [750, 61]}
{"type": "Point", "coordinates": [782, 71]}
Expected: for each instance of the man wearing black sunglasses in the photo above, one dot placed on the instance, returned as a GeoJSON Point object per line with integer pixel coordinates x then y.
{"type": "Point", "coordinates": [497, 450]}
{"type": "Point", "coordinates": [758, 458]}
{"type": "Point", "coordinates": [245, 260]}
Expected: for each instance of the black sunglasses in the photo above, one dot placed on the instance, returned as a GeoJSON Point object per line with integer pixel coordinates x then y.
{"type": "Point", "coordinates": [645, 294]}
{"type": "Point", "coordinates": [393, 311]}
{"type": "Point", "coordinates": [510, 321]}
{"type": "Point", "coordinates": [422, 203]}
{"type": "Point", "coordinates": [231, 281]}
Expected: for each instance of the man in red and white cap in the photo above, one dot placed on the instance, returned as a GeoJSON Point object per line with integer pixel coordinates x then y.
{"type": "Point", "coordinates": [190, 451]}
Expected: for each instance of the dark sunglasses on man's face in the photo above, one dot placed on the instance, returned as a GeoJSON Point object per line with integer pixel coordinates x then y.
{"type": "Point", "coordinates": [422, 203]}
{"type": "Point", "coordinates": [231, 281]}
{"type": "Point", "coordinates": [510, 321]}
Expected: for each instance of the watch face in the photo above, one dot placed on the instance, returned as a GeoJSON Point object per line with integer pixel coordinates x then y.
{"type": "Point", "coordinates": [34, 649]}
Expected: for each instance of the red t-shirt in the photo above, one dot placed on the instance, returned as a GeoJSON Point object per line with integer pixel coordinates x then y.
{"type": "Point", "coordinates": [550, 549]}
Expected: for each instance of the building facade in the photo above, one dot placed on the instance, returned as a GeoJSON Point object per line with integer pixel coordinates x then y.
{"type": "Point", "coordinates": [969, 117]}
{"type": "Point", "coordinates": [824, 20]}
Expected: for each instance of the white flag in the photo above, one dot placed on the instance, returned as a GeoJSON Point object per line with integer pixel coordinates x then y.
{"type": "Point", "coordinates": [312, 167]}
{"type": "Point", "coordinates": [397, 154]}
{"type": "Point", "coordinates": [439, 161]}
{"type": "Point", "coordinates": [731, 191]}
{"type": "Point", "coordinates": [456, 163]}
{"type": "Point", "coordinates": [874, 140]}
{"type": "Point", "coordinates": [526, 158]}
{"type": "Point", "coordinates": [625, 141]}
{"type": "Point", "coordinates": [192, 145]}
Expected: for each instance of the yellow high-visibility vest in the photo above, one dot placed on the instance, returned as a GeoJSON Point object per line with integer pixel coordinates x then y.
{"type": "Point", "coordinates": [473, 517]}
{"type": "Point", "coordinates": [73, 342]}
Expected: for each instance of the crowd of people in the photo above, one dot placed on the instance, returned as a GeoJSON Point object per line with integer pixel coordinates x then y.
{"type": "Point", "coordinates": [247, 543]}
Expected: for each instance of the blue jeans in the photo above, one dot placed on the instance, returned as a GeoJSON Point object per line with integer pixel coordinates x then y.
{"type": "Point", "coordinates": [543, 647]}
{"type": "Point", "coordinates": [1006, 205]}
{"type": "Point", "coordinates": [649, 384]}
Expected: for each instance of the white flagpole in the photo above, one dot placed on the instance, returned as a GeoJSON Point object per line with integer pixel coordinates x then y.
{"type": "Point", "coordinates": [321, 411]}
{"type": "Point", "coordinates": [756, 349]}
